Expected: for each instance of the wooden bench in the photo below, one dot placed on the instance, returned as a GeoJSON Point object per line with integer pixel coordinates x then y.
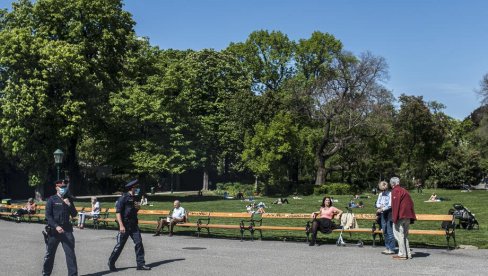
{"type": "Point", "coordinates": [203, 221]}
{"type": "Point", "coordinates": [254, 222]}
{"type": "Point", "coordinates": [448, 232]}
{"type": "Point", "coordinates": [26, 217]}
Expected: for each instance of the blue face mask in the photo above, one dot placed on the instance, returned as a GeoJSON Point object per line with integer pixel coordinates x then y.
{"type": "Point", "coordinates": [63, 191]}
{"type": "Point", "coordinates": [137, 191]}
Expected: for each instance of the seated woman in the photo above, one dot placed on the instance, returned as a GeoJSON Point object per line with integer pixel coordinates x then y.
{"type": "Point", "coordinates": [29, 208]}
{"type": "Point", "coordinates": [143, 200]}
{"type": "Point", "coordinates": [95, 212]}
{"type": "Point", "coordinates": [323, 219]}
{"type": "Point", "coordinates": [177, 215]}
{"type": "Point", "coordinates": [433, 197]}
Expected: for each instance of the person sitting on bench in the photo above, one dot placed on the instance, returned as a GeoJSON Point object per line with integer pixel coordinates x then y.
{"type": "Point", "coordinates": [322, 220]}
{"type": "Point", "coordinates": [29, 208]}
{"type": "Point", "coordinates": [177, 215]}
{"type": "Point", "coordinates": [95, 212]}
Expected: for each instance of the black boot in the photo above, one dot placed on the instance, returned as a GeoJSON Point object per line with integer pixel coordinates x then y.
{"type": "Point", "coordinates": [111, 266]}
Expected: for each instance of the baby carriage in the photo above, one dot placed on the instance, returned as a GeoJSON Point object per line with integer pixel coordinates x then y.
{"type": "Point", "coordinates": [467, 220]}
{"type": "Point", "coordinates": [348, 221]}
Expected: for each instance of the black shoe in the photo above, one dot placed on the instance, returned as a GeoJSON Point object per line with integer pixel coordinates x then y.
{"type": "Point", "coordinates": [311, 244]}
{"type": "Point", "coordinates": [112, 267]}
{"type": "Point", "coordinates": [157, 234]}
{"type": "Point", "coordinates": [143, 267]}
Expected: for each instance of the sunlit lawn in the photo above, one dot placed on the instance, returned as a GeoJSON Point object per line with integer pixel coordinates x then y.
{"type": "Point", "coordinates": [475, 201]}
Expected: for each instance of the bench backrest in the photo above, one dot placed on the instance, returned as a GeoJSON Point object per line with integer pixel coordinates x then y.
{"type": "Point", "coordinates": [220, 214]}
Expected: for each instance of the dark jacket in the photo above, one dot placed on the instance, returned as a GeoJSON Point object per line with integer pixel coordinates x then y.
{"type": "Point", "coordinates": [401, 205]}
{"type": "Point", "coordinates": [126, 207]}
{"type": "Point", "coordinates": [58, 213]}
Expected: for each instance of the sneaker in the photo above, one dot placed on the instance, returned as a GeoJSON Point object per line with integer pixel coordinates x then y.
{"type": "Point", "coordinates": [170, 234]}
{"type": "Point", "coordinates": [400, 258]}
{"type": "Point", "coordinates": [157, 234]}
{"type": "Point", "coordinates": [388, 252]}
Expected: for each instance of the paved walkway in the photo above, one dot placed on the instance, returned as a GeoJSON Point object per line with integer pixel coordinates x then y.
{"type": "Point", "coordinates": [22, 251]}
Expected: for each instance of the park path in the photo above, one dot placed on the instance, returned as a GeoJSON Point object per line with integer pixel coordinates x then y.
{"type": "Point", "coordinates": [22, 250]}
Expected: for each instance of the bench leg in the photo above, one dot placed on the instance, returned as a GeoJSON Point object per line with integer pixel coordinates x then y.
{"type": "Point", "coordinates": [448, 237]}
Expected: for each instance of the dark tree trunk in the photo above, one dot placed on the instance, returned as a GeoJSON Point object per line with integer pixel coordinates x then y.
{"type": "Point", "coordinates": [205, 180]}
{"type": "Point", "coordinates": [320, 177]}
{"type": "Point", "coordinates": [74, 174]}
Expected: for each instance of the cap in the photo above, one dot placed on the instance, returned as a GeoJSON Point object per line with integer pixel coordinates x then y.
{"type": "Point", "coordinates": [60, 183]}
{"type": "Point", "coordinates": [132, 183]}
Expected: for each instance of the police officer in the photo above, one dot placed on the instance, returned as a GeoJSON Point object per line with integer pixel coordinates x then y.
{"type": "Point", "coordinates": [126, 210]}
{"type": "Point", "coordinates": [59, 208]}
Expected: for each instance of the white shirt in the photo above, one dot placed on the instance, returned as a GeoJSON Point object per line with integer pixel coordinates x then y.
{"type": "Point", "coordinates": [178, 212]}
{"type": "Point", "coordinates": [96, 209]}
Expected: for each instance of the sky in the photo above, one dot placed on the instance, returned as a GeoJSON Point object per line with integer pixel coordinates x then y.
{"type": "Point", "coordinates": [435, 49]}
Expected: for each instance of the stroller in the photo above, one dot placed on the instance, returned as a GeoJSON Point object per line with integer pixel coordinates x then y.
{"type": "Point", "coordinates": [348, 221]}
{"type": "Point", "coordinates": [467, 220]}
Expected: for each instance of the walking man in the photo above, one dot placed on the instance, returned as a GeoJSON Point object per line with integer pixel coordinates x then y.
{"type": "Point", "coordinates": [126, 210]}
{"type": "Point", "coordinates": [402, 215]}
{"type": "Point", "coordinates": [59, 208]}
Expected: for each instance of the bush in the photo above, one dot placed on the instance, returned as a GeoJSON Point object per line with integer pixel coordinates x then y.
{"type": "Point", "coordinates": [333, 189]}
{"type": "Point", "coordinates": [320, 190]}
{"type": "Point", "coordinates": [234, 188]}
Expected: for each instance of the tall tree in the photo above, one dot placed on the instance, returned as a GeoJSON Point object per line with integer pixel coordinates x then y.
{"type": "Point", "coordinates": [342, 101]}
{"type": "Point", "coordinates": [60, 60]}
{"type": "Point", "coordinates": [419, 135]}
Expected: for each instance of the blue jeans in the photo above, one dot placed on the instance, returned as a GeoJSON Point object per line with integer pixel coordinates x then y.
{"type": "Point", "coordinates": [387, 227]}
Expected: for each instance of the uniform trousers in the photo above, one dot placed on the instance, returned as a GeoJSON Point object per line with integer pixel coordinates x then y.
{"type": "Point", "coordinates": [135, 234]}
{"type": "Point", "coordinates": [68, 242]}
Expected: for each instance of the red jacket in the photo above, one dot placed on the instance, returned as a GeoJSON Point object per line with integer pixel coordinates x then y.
{"type": "Point", "coordinates": [401, 204]}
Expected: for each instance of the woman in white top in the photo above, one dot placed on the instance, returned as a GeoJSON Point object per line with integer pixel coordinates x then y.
{"type": "Point", "coordinates": [383, 205]}
{"type": "Point", "coordinates": [95, 212]}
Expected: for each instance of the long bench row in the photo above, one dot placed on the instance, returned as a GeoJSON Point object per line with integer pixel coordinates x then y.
{"type": "Point", "coordinates": [254, 222]}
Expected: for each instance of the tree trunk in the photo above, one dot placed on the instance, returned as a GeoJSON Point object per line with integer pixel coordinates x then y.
{"type": "Point", "coordinates": [256, 183]}
{"type": "Point", "coordinates": [74, 174]}
{"type": "Point", "coordinates": [205, 181]}
{"type": "Point", "coordinates": [320, 177]}
{"type": "Point", "coordinates": [39, 192]}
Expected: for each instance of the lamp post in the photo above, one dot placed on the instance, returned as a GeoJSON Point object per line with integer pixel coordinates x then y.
{"type": "Point", "coordinates": [58, 159]}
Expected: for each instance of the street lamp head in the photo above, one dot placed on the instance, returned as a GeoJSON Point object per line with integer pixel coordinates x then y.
{"type": "Point", "coordinates": [58, 156]}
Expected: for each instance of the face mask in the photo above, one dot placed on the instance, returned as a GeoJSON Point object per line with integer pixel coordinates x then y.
{"type": "Point", "coordinates": [136, 191]}
{"type": "Point", "coordinates": [63, 191]}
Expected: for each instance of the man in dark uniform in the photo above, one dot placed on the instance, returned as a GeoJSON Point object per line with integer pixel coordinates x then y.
{"type": "Point", "coordinates": [126, 210]}
{"type": "Point", "coordinates": [59, 208]}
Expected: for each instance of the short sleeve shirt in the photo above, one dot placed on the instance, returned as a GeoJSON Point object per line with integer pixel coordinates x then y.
{"type": "Point", "coordinates": [178, 212]}
{"type": "Point", "coordinates": [329, 212]}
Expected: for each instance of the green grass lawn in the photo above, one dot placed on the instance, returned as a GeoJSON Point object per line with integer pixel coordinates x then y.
{"type": "Point", "coordinates": [475, 201]}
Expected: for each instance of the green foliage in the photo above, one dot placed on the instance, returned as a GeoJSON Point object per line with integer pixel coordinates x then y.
{"type": "Point", "coordinates": [60, 60]}
{"type": "Point", "coordinates": [333, 189]}
{"type": "Point", "coordinates": [273, 146]}
{"type": "Point", "coordinates": [234, 188]}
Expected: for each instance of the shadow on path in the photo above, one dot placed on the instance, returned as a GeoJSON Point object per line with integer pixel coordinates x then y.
{"type": "Point", "coordinates": [152, 265]}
